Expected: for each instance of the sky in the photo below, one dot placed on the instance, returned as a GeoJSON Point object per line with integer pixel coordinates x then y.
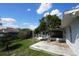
{"type": "Point", "coordinates": [27, 15]}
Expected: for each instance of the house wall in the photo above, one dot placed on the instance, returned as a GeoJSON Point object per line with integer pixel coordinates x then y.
{"type": "Point", "coordinates": [72, 36]}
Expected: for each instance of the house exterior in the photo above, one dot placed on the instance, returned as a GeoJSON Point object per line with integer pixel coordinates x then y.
{"type": "Point", "coordinates": [70, 25]}
{"type": "Point", "coordinates": [4, 31]}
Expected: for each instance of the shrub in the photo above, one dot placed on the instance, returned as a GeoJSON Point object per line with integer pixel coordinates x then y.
{"type": "Point", "coordinates": [24, 33]}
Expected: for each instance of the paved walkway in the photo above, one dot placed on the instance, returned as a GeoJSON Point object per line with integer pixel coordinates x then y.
{"type": "Point", "coordinates": [53, 47]}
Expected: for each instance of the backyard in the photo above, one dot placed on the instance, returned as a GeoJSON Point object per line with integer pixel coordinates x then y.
{"type": "Point", "coordinates": [21, 48]}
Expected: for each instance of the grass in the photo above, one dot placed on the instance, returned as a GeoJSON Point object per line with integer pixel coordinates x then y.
{"type": "Point", "coordinates": [21, 48]}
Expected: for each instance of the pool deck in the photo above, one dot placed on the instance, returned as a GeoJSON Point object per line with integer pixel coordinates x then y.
{"type": "Point", "coordinates": [53, 47]}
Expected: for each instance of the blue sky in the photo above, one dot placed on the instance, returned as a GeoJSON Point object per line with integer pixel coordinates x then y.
{"type": "Point", "coordinates": [27, 15]}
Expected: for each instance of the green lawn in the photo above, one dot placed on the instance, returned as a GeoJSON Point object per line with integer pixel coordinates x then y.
{"type": "Point", "coordinates": [21, 48]}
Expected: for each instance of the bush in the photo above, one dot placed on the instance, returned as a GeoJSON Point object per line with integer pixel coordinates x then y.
{"type": "Point", "coordinates": [24, 34]}
{"type": "Point", "coordinates": [7, 39]}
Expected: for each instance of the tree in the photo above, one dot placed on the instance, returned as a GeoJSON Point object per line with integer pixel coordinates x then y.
{"type": "Point", "coordinates": [48, 23]}
{"type": "Point", "coordinates": [41, 27]}
{"type": "Point", "coordinates": [53, 21]}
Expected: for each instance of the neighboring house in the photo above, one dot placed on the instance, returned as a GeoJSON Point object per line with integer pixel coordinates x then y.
{"type": "Point", "coordinates": [4, 31]}
{"type": "Point", "coordinates": [70, 25]}
{"type": "Point", "coordinates": [1, 34]}
{"type": "Point", "coordinates": [8, 29]}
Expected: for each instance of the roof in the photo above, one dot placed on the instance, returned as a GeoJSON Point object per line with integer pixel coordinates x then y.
{"type": "Point", "coordinates": [8, 29]}
{"type": "Point", "coordinates": [69, 17]}
{"type": "Point", "coordinates": [70, 11]}
{"type": "Point", "coordinates": [1, 29]}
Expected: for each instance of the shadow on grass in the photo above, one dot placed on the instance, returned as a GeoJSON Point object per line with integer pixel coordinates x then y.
{"type": "Point", "coordinates": [16, 46]}
{"type": "Point", "coordinates": [13, 47]}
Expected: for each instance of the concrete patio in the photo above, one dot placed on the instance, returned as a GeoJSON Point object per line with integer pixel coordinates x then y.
{"type": "Point", "coordinates": [53, 47]}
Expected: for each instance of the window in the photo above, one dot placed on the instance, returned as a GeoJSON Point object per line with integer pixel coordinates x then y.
{"type": "Point", "coordinates": [70, 30]}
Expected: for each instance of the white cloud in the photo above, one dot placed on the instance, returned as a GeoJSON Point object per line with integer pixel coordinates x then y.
{"type": "Point", "coordinates": [44, 7]}
{"type": "Point", "coordinates": [12, 25]}
{"type": "Point", "coordinates": [45, 14]}
{"type": "Point", "coordinates": [29, 25]}
{"type": "Point", "coordinates": [56, 12]}
{"type": "Point", "coordinates": [28, 9]}
{"type": "Point", "coordinates": [9, 22]}
{"type": "Point", "coordinates": [32, 27]}
{"type": "Point", "coordinates": [77, 6]}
